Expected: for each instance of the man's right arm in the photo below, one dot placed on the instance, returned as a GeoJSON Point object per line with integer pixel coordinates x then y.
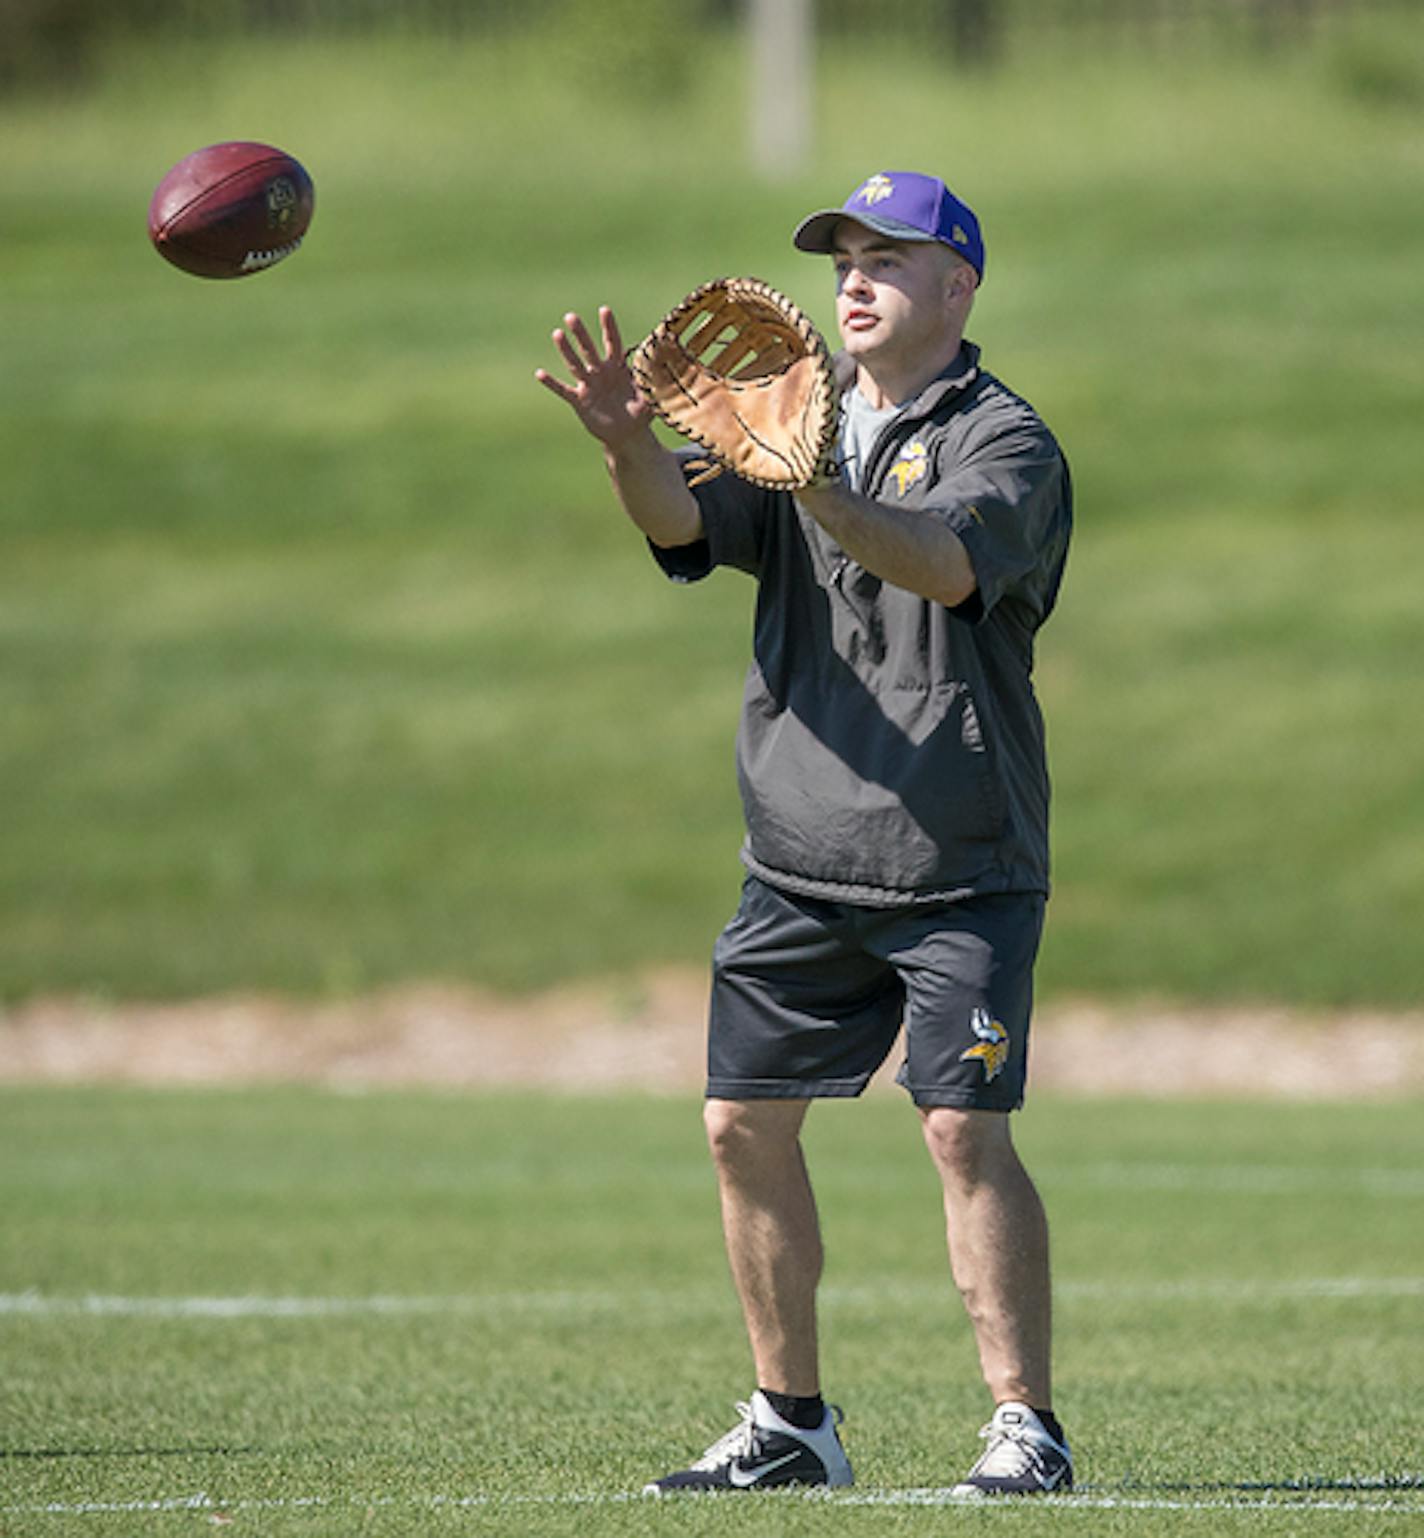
{"type": "Point", "coordinates": [600, 389]}
{"type": "Point", "coordinates": [649, 483]}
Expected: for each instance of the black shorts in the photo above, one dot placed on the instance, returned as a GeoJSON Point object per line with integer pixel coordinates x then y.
{"type": "Point", "coordinates": [808, 997]}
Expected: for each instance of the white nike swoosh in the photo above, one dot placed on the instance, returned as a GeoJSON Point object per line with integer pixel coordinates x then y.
{"type": "Point", "coordinates": [743, 1477]}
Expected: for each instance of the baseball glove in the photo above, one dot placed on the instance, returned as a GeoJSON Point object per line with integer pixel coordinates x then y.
{"type": "Point", "coordinates": [739, 370]}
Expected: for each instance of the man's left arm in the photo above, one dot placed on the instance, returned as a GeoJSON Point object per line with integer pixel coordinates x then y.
{"type": "Point", "coordinates": [983, 528]}
{"type": "Point", "coordinates": [899, 545]}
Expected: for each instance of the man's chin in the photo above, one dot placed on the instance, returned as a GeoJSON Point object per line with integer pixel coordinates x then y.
{"type": "Point", "coordinates": [860, 345]}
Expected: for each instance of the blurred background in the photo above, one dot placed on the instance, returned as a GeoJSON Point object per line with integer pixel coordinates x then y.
{"type": "Point", "coordinates": [326, 660]}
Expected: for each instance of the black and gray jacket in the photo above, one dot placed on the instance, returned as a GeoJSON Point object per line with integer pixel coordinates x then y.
{"type": "Point", "coordinates": [891, 750]}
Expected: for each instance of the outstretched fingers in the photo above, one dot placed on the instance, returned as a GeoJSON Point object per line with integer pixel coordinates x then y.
{"type": "Point", "coordinates": [581, 354]}
{"type": "Point", "coordinates": [579, 363]}
{"type": "Point", "coordinates": [612, 337]}
{"type": "Point", "coordinates": [588, 354]}
{"type": "Point", "coordinates": [596, 381]}
{"type": "Point", "coordinates": [580, 360]}
{"type": "Point", "coordinates": [565, 392]}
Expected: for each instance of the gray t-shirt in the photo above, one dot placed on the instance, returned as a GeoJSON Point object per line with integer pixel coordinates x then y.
{"type": "Point", "coordinates": [891, 750]}
{"type": "Point", "coordinates": [860, 426]}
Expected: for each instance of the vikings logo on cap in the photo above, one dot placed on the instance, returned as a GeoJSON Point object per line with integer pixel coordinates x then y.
{"type": "Point", "coordinates": [992, 1048]}
{"type": "Point", "coordinates": [904, 205]}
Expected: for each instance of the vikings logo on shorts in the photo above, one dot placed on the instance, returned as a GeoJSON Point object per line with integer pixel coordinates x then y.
{"type": "Point", "coordinates": [992, 1048]}
{"type": "Point", "coordinates": [913, 465]}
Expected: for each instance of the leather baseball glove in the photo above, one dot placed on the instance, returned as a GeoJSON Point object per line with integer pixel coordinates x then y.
{"type": "Point", "coordinates": [738, 369]}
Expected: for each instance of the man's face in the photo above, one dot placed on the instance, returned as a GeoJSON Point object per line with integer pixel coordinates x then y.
{"type": "Point", "coordinates": [895, 299]}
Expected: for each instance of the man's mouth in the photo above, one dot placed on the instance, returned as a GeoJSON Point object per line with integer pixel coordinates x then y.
{"type": "Point", "coordinates": [859, 320]}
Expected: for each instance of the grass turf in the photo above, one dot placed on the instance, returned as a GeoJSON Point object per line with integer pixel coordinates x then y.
{"type": "Point", "coordinates": [501, 1314]}
{"type": "Point", "coordinates": [328, 662]}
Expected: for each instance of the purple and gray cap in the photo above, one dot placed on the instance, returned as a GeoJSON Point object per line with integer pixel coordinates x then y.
{"type": "Point", "coordinates": [904, 205]}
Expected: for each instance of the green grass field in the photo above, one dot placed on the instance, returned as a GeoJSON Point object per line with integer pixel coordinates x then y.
{"type": "Point", "coordinates": [415, 1314]}
{"type": "Point", "coordinates": [328, 662]}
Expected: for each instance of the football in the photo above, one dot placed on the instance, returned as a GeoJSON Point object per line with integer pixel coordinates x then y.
{"type": "Point", "coordinates": [231, 209]}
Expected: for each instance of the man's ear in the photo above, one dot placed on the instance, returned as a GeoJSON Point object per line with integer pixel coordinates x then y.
{"type": "Point", "coordinates": [959, 285]}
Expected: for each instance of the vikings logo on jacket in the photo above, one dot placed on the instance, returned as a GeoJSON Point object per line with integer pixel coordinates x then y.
{"type": "Point", "coordinates": [912, 465]}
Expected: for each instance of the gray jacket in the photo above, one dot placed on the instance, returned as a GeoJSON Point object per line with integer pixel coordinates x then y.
{"type": "Point", "coordinates": [891, 750]}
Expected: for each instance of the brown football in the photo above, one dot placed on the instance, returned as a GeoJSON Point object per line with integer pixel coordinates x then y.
{"type": "Point", "coordinates": [231, 209]}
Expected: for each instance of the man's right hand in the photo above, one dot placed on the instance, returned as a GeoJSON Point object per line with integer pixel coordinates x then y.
{"type": "Point", "coordinates": [600, 388]}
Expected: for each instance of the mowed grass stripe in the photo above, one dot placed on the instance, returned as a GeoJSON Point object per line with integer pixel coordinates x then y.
{"type": "Point", "coordinates": [1248, 1179]}
{"type": "Point", "coordinates": [666, 1303]}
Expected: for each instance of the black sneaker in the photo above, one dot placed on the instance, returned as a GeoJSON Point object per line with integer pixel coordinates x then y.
{"type": "Point", "coordinates": [765, 1451]}
{"type": "Point", "coordinates": [1021, 1458]}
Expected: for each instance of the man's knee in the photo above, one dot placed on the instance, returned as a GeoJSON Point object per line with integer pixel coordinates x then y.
{"type": "Point", "coordinates": [969, 1147]}
{"type": "Point", "coordinates": [742, 1132]}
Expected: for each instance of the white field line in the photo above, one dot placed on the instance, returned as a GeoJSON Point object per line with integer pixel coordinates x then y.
{"type": "Point", "coordinates": [256, 1306]}
{"type": "Point", "coordinates": [577, 1302]}
{"type": "Point", "coordinates": [1387, 1503]}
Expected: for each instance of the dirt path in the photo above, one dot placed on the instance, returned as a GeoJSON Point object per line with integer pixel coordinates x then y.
{"type": "Point", "coordinates": [646, 1033]}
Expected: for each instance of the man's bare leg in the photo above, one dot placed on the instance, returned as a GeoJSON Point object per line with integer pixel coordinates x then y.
{"type": "Point", "coordinates": [787, 1435]}
{"type": "Point", "coordinates": [998, 1250]}
{"type": "Point", "coordinates": [772, 1233]}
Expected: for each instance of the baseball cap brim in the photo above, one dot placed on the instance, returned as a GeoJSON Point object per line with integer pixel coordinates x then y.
{"type": "Point", "coordinates": [816, 233]}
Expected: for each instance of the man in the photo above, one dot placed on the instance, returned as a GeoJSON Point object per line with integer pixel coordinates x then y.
{"type": "Point", "coordinates": [891, 762]}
